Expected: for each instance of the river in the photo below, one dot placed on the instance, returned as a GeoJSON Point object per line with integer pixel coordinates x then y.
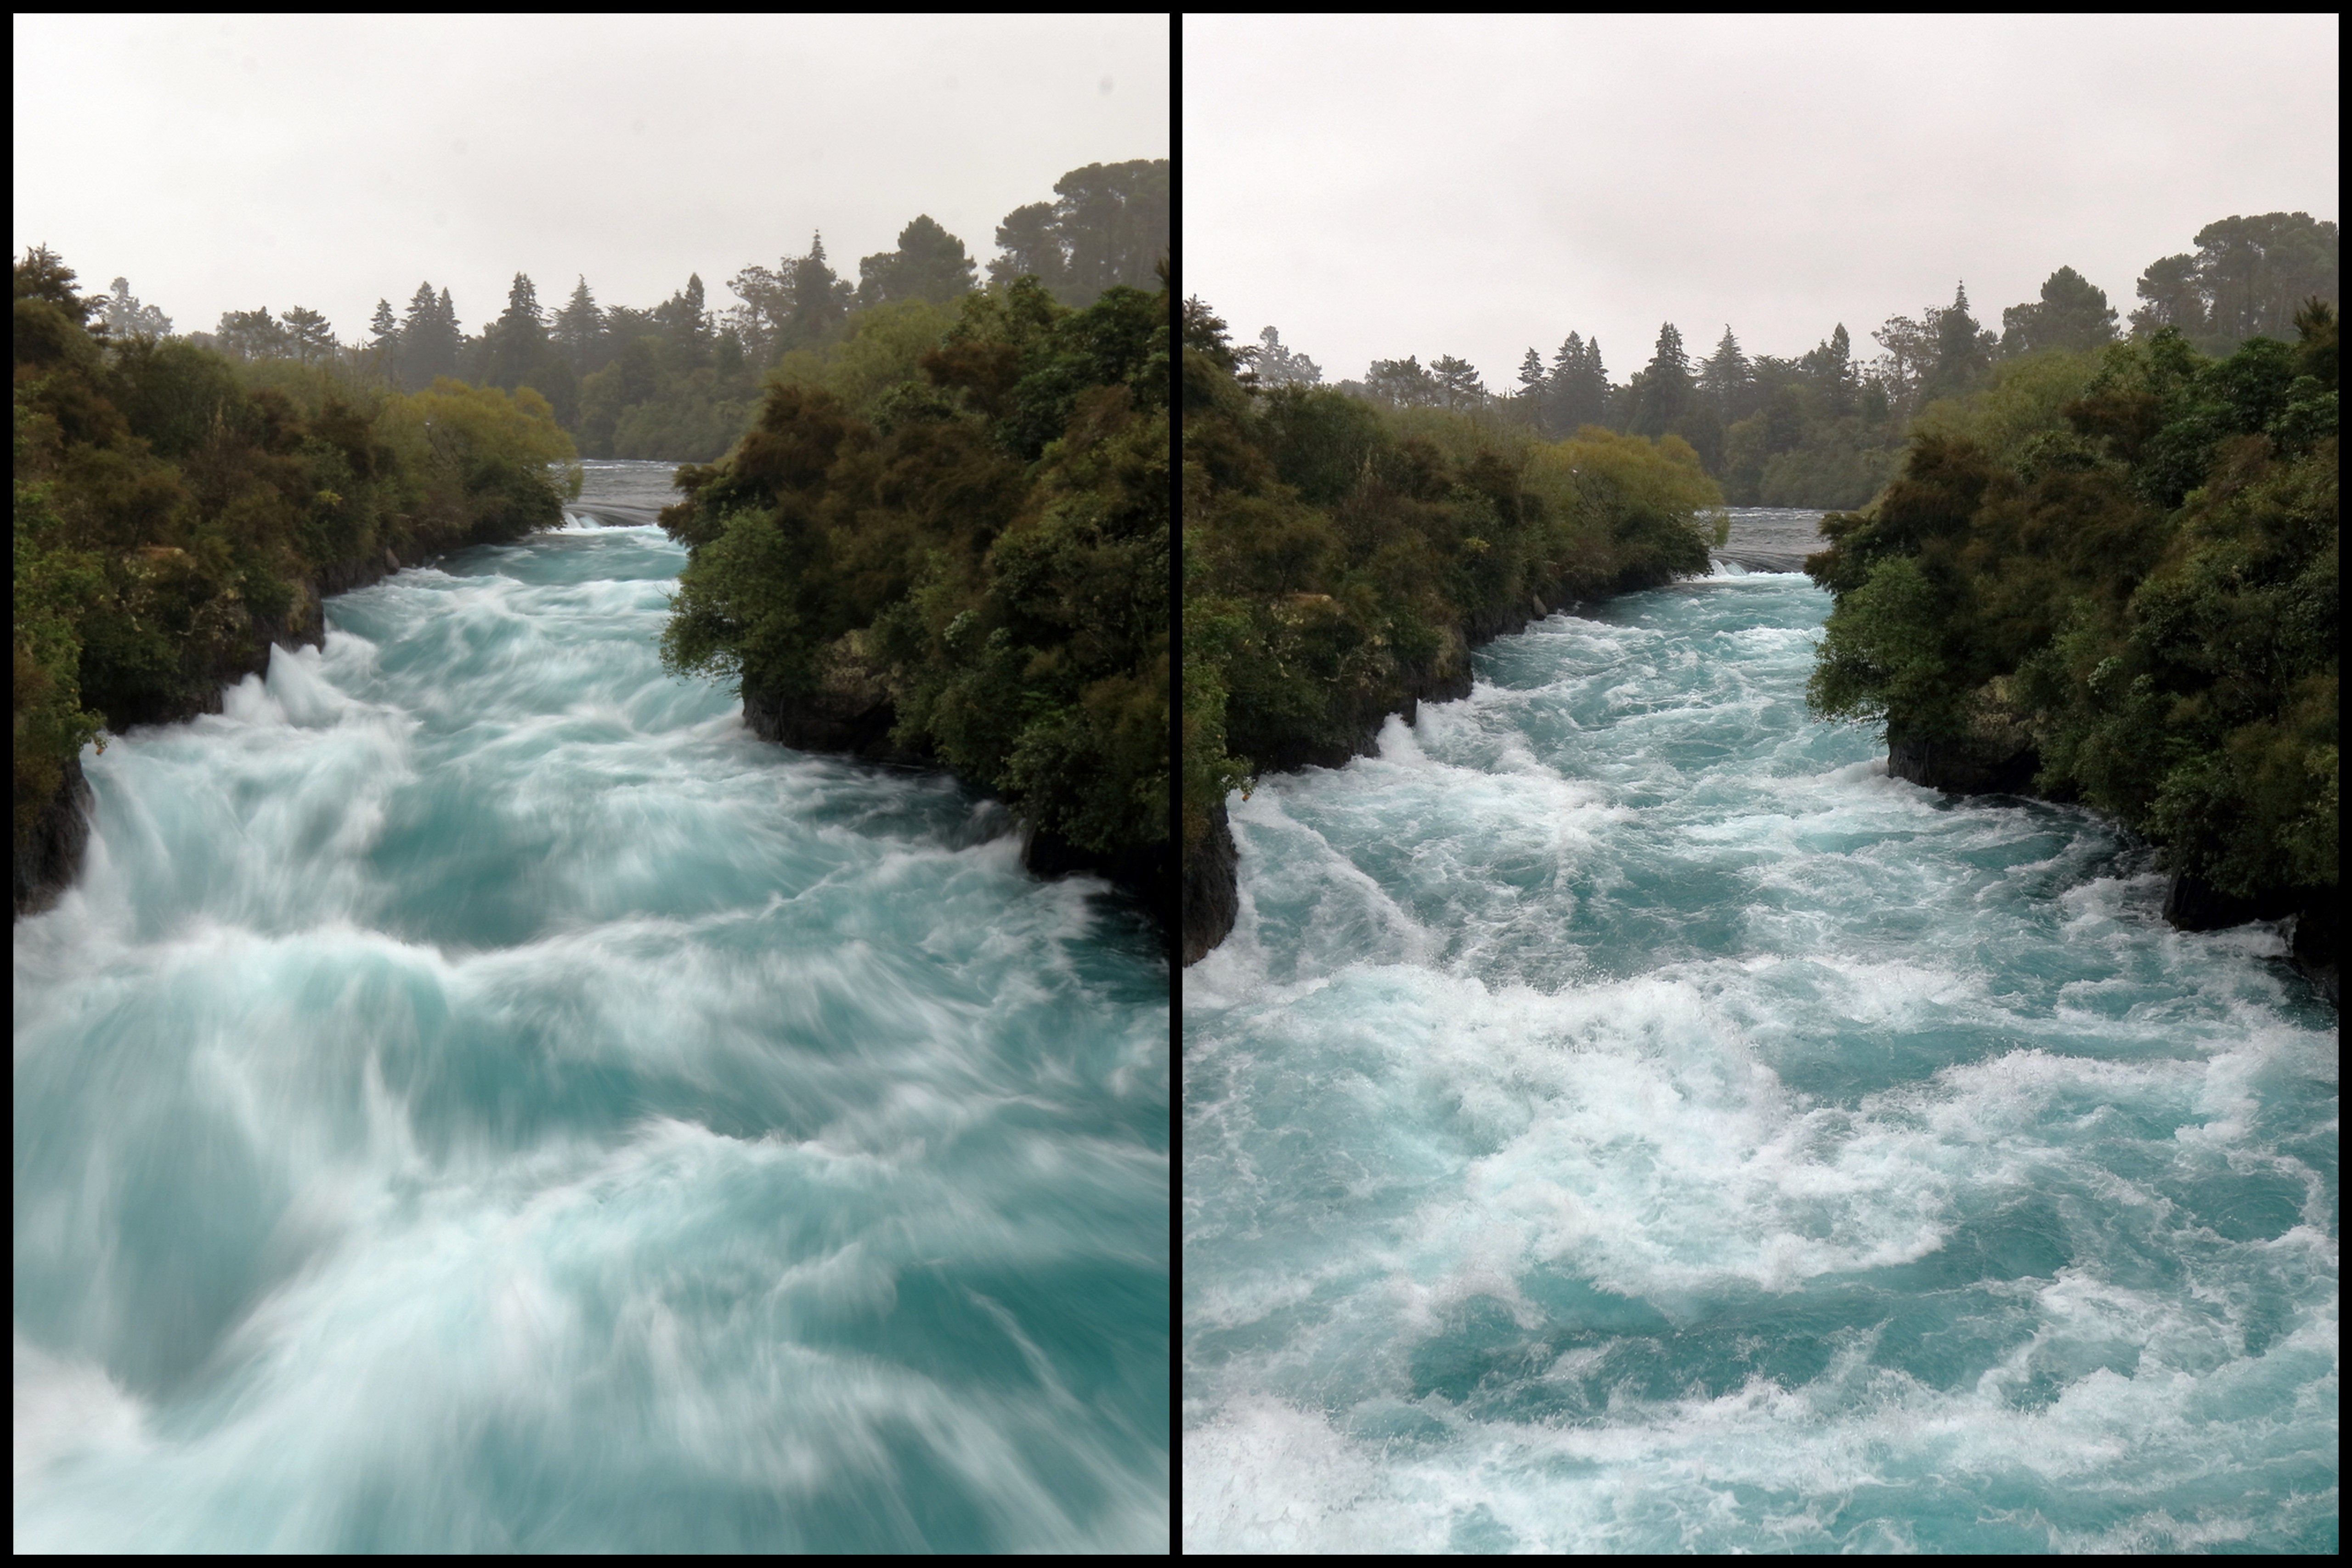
{"type": "Point", "coordinates": [478, 1098]}
{"type": "Point", "coordinates": [1625, 1119]}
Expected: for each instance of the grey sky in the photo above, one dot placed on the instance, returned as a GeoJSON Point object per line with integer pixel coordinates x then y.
{"type": "Point", "coordinates": [226, 163]}
{"type": "Point", "coordinates": [1379, 188]}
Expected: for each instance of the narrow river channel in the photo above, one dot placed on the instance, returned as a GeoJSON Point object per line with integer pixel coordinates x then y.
{"type": "Point", "coordinates": [478, 1098]}
{"type": "Point", "coordinates": [1625, 1119]}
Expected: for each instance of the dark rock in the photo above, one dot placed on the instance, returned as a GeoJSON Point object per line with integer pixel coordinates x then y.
{"type": "Point", "coordinates": [2309, 917]}
{"type": "Point", "coordinates": [2191, 903]}
{"type": "Point", "coordinates": [825, 722]}
{"type": "Point", "coordinates": [1211, 888]}
{"type": "Point", "coordinates": [2311, 943]}
{"type": "Point", "coordinates": [1962, 767]}
{"type": "Point", "coordinates": [50, 857]}
{"type": "Point", "coordinates": [1138, 871]}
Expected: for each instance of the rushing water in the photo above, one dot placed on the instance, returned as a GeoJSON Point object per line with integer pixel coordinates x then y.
{"type": "Point", "coordinates": [479, 1098]}
{"type": "Point", "coordinates": [1626, 1119]}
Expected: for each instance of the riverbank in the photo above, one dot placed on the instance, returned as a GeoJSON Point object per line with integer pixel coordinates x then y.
{"type": "Point", "coordinates": [1761, 539]}
{"type": "Point", "coordinates": [50, 857]}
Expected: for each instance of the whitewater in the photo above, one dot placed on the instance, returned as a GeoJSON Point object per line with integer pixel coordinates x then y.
{"type": "Point", "coordinates": [479, 1098]}
{"type": "Point", "coordinates": [1625, 1119]}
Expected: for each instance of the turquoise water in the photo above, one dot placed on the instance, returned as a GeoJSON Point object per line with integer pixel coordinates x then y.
{"type": "Point", "coordinates": [479, 1098]}
{"type": "Point", "coordinates": [1626, 1120]}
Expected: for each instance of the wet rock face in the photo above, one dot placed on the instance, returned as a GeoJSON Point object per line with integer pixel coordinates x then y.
{"type": "Point", "coordinates": [50, 857]}
{"type": "Point", "coordinates": [1961, 767]}
{"type": "Point", "coordinates": [1140, 872]}
{"type": "Point", "coordinates": [1212, 890]}
{"type": "Point", "coordinates": [848, 713]}
{"type": "Point", "coordinates": [2191, 903]}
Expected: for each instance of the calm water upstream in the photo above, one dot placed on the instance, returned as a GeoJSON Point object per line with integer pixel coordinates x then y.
{"type": "Point", "coordinates": [1625, 1119]}
{"type": "Point", "coordinates": [479, 1098]}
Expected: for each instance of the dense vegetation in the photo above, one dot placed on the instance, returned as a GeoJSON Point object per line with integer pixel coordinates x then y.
{"type": "Point", "coordinates": [177, 510]}
{"type": "Point", "coordinates": [947, 537]}
{"type": "Point", "coordinates": [1827, 428]}
{"type": "Point", "coordinates": [681, 380]}
{"type": "Point", "coordinates": [2119, 569]}
{"type": "Point", "coordinates": [1342, 554]}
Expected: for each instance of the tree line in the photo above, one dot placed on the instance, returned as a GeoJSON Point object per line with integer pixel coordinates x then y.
{"type": "Point", "coordinates": [1344, 551]}
{"type": "Point", "coordinates": [178, 511]}
{"type": "Point", "coordinates": [681, 380]}
{"type": "Point", "coordinates": [1827, 428]}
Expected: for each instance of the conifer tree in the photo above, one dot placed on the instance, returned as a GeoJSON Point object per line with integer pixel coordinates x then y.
{"type": "Point", "coordinates": [1726, 379]}
{"type": "Point", "coordinates": [1666, 387]}
{"type": "Point", "coordinates": [580, 329]}
{"type": "Point", "coordinates": [310, 336]}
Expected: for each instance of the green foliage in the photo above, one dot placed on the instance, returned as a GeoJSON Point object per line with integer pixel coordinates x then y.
{"type": "Point", "coordinates": [2127, 562]}
{"type": "Point", "coordinates": [1341, 553]}
{"type": "Point", "coordinates": [967, 513]}
{"type": "Point", "coordinates": [2247, 278]}
{"type": "Point", "coordinates": [171, 503]}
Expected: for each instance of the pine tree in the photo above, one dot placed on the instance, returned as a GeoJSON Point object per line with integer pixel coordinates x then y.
{"type": "Point", "coordinates": [1531, 386]}
{"type": "Point", "coordinates": [1963, 352]}
{"type": "Point", "coordinates": [815, 304]}
{"type": "Point", "coordinates": [580, 329]}
{"type": "Point", "coordinates": [1458, 383]}
{"type": "Point", "coordinates": [1831, 367]}
{"type": "Point", "coordinates": [383, 341]}
{"type": "Point", "coordinates": [124, 316]}
{"type": "Point", "coordinates": [1031, 246]}
{"type": "Point", "coordinates": [429, 338]}
{"type": "Point", "coordinates": [310, 336]}
{"type": "Point", "coordinates": [1579, 384]}
{"type": "Point", "coordinates": [1666, 387]}
{"type": "Point", "coordinates": [518, 339]}
{"type": "Point", "coordinates": [1725, 380]}
{"type": "Point", "coordinates": [1276, 365]}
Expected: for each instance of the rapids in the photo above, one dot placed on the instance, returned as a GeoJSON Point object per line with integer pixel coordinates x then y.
{"type": "Point", "coordinates": [1625, 1119]}
{"type": "Point", "coordinates": [478, 1098]}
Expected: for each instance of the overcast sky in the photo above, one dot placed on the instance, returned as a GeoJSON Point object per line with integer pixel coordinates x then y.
{"type": "Point", "coordinates": [231, 162]}
{"type": "Point", "coordinates": [1378, 187]}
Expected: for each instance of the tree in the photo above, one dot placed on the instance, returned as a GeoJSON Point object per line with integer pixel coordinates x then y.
{"type": "Point", "coordinates": [1031, 243]}
{"type": "Point", "coordinates": [1725, 380]}
{"type": "Point", "coordinates": [251, 334]}
{"type": "Point", "coordinates": [1963, 352]}
{"type": "Point", "coordinates": [1459, 385]}
{"type": "Point", "coordinates": [1579, 387]}
{"type": "Point", "coordinates": [2072, 314]}
{"type": "Point", "coordinates": [2173, 299]}
{"type": "Point", "coordinates": [684, 325]}
{"type": "Point", "coordinates": [1532, 385]}
{"type": "Point", "coordinates": [518, 340]}
{"type": "Point", "coordinates": [310, 336]}
{"type": "Point", "coordinates": [580, 329]}
{"type": "Point", "coordinates": [1109, 226]}
{"type": "Point", "coordinates": [1403, 383]}
{"type": "Point", "coordinates": [929, 264]}
{"type": "Point", "coordinates": [429, 338]}
{"type": "Point", "coordinates": [1276, 365]}
{"type": "Point", "coordinates": [383, 341]}
{"type": "Point", "coordinates": [1831, 368]}
{"type": "Point", "coordinates": [1665, 385]}
{"type": "Point", "coordinates": [801, 304]}
{"type": "Point", "coordinates": [124, 316]}
{"type": "Point", "coordinates": [2247, 279]}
